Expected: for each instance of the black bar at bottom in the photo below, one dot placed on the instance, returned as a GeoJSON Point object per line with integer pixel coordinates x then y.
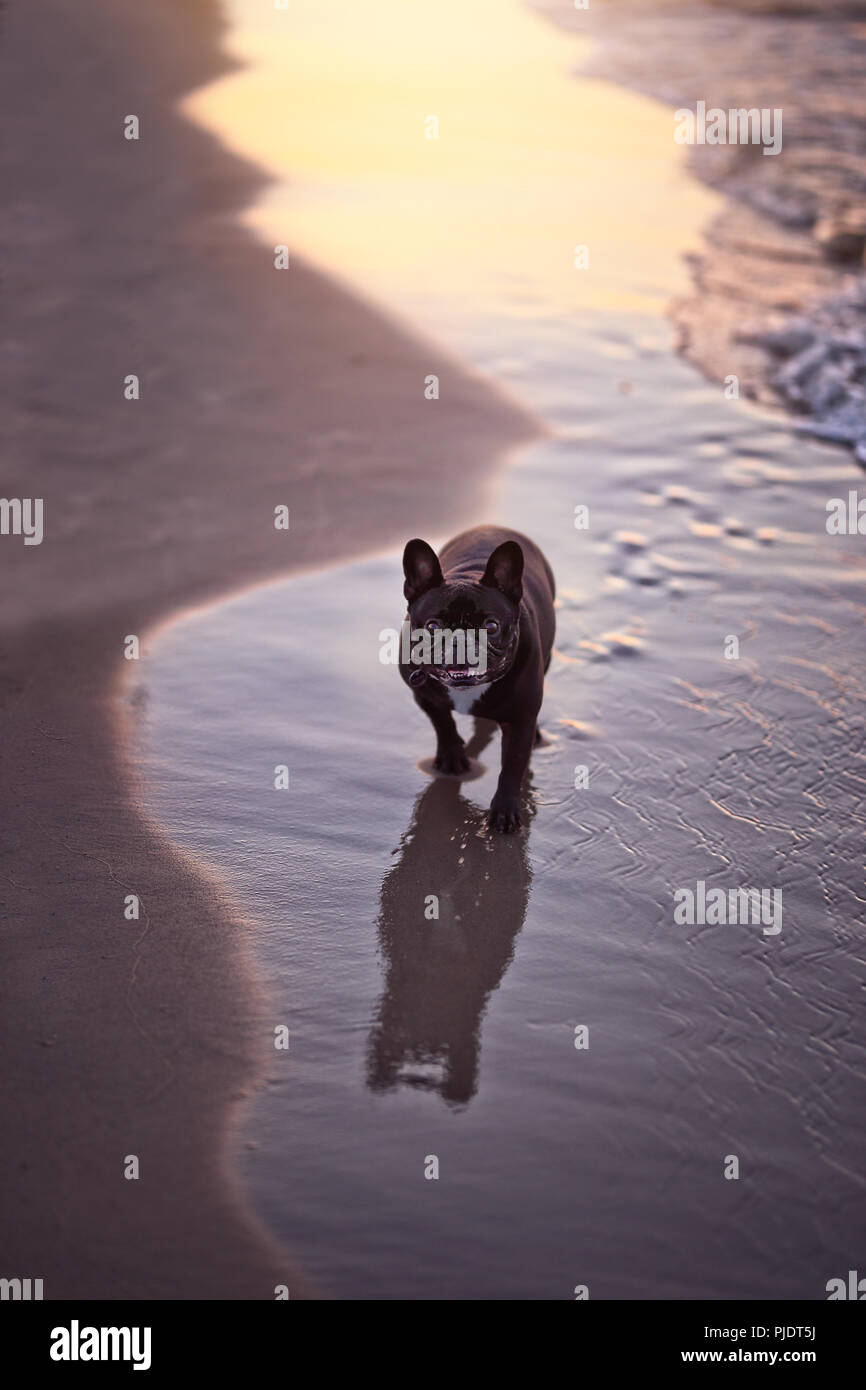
{"type": "Point", "coordinates": [162, 1339]}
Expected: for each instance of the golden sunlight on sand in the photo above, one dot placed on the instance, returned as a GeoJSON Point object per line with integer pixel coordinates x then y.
{"type": "Point", "coordinates": [528, 164]}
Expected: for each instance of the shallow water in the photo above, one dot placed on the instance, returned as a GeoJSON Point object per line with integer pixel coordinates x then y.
{"type": "Point", "coordinates": [456, 1038]}
{"type": "Point", "coordinates": [481, 213]}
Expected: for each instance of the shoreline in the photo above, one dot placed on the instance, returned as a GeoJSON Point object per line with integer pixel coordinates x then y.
{"type": "Point", "coordinates": [128, 257]}
{"type": "Point", "coordinates": [780, 283]}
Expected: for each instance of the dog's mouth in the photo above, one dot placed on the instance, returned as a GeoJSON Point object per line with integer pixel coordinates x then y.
{"type": "Point", "coordinates": [461, 676]}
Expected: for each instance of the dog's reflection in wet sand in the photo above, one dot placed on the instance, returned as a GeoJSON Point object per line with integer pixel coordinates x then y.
{"type": "Point", "coordinates": [439, 973]}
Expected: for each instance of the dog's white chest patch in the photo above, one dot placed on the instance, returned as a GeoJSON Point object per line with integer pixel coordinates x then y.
{"type": "Point", "coordinates": [463, 700]}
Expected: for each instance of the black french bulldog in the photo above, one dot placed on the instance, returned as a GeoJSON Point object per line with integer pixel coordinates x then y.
{"type": "Point", "coordinates": [494, 581]}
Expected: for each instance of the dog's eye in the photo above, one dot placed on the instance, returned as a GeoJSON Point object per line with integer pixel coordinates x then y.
{"type": "Point", "coordinates": [432, 624]}
{"type": "Point", "coordinates": [491, 625]}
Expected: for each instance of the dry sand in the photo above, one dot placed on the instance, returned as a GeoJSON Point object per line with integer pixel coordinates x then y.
{"type": "Point", "coordinates": [258, 387]}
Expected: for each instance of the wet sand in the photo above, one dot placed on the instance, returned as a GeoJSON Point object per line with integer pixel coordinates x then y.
{"type": "Point", "coordinates": [455, 1037]}
{"type": "Point", "coordinates": [258, 388]}
{"type": "Point", "coordinates": [774, 254]}
{"type": "Point", "coordinates": [147, 1039]}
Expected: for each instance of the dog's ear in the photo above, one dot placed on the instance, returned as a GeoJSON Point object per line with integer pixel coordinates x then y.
{"type": "Point", "coordinates": [505, 571]}
{"type": "Point", "coordinates": [421, 568]}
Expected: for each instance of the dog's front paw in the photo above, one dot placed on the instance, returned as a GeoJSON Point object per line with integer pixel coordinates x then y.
{"type": "Point", "coordinates": [452, 761]}
{"type": "Point", "coordinates": [504, 814]}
